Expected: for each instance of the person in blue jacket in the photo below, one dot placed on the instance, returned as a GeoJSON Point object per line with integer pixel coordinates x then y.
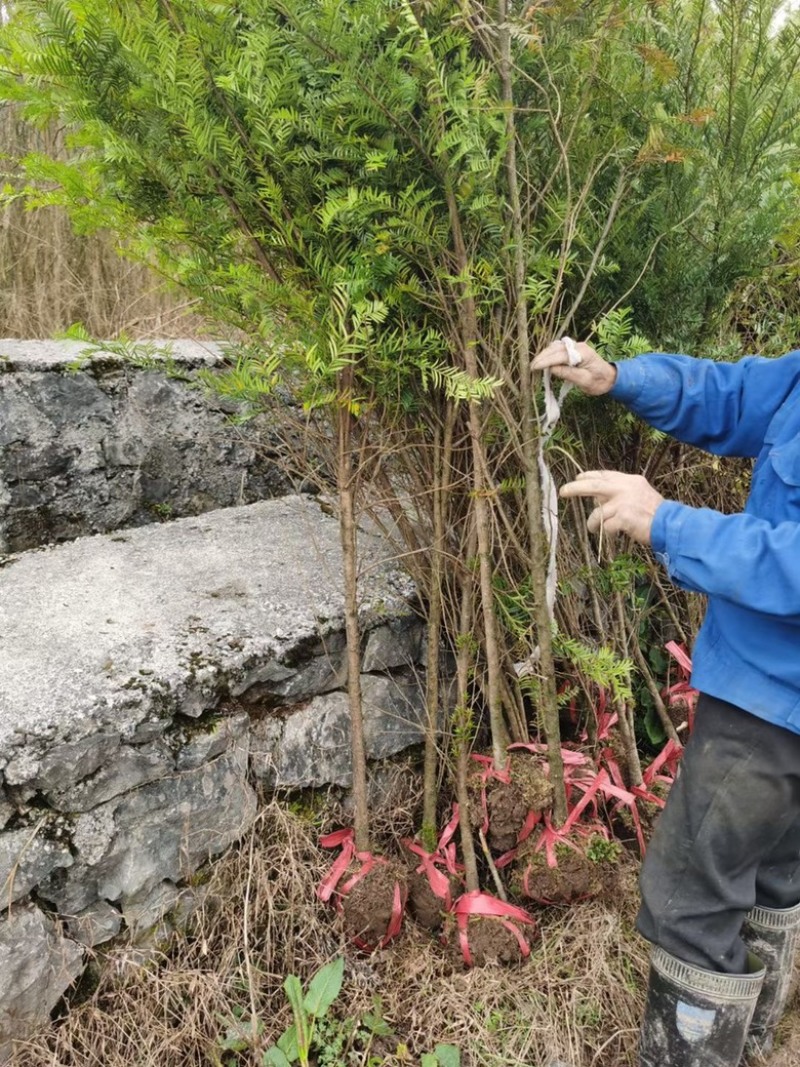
{"type": "Point", "coordinates": [720, 884]}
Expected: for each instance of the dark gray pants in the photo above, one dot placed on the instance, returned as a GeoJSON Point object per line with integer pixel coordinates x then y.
{"type": "Point", "coordinates": [728, 838]}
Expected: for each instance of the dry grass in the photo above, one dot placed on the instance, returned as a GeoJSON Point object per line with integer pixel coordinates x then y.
{"type": "Point", "coordinates": [50, 278]}
{"type": "Point", "coordinates": [577, 998]}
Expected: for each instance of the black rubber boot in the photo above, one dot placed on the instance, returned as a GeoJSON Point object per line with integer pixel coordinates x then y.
{"type": "Point", "coordinates": [696, 1018]}
{"type": "Point", "coordinates": [772, 935]}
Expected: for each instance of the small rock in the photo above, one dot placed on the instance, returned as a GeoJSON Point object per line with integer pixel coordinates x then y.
{"type": "Point", "coordinates": [95, 924]}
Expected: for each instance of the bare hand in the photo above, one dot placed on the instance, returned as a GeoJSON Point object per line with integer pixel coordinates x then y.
{"type": "Point", "coordinates": [627, 503]}
{"type": "Point", "coordinates": [592, 375]}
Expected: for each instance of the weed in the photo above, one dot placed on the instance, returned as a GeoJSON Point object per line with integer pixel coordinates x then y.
{"type": "Point", "coordinates": [163, 510]}
{"type": "Point", "coordinates": [601, 850]}
{"type": "Point", "coordinates": [298, 1040]}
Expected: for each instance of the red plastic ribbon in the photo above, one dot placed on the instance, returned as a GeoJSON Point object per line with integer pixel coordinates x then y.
{"type": "Point", "coordinates": [682, 691]}
{"type": "Point", "coordinates": [604, 716]}
{"type": "Point", "coordinates": [679, 653]}
{"type": "Point", "coordinates": [532, 820]}
{"type": "Point", "coordinates": [345, 839]}
{"type": "Point", "coordinates": [601, 783]}
{"type": "Point", "coordinates": [444, 856]}
{"type": "Point", "coordinates": [490, 771]}
{"type": "Point", "coordinates": [477, 903]}
{"type": "Point", "coordinates": [549, 837]}
{"type": "Point", "coordinates": [570, 757]}
{"type": "Point", "coordinates": [669, 757]}
{"type": "Point", "coordinates": [572, 760]}
{"type": "Point", "coordinates": [640, 792]}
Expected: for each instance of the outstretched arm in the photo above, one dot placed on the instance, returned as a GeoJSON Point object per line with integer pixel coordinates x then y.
{"type": "Point", "coordinates": [739, 558]}
{"type": "Point", "coordinates": [722, 407]}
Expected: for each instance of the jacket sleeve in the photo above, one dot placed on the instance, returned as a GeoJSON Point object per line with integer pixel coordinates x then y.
{"type": "Point", "coordinates": [740, 558]}
{"type": "Point", "coordinates": [721, 407]}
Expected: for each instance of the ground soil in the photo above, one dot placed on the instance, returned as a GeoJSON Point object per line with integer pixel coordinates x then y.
{"type": "Point", "coordinates": [678, 714]}
{"type": "Point", "coordinates": [368, 906]}
{"type": "Point", "coordinates": [509, 803]}
{"type": "Point", "coordinates": [578, 998]}
{"type": "Point", "coordinates": [490, 943]}
{"type": "Point", "coordinates": [424, 906]}
{"type": "Point", "coordinates": [649, 812]}
{"type": "Point", "coordinates": [507, 814]}
{"type": "Point", "coordinates": [575, 876]}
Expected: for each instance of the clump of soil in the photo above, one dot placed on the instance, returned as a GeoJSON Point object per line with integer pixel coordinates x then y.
{"type": "Point", "coordinates": [648, 813]}
{"type": "Point", "coordinates": [617, 747]}
{"type": "Point", "coordinates": [579, 874]}
{"type": "Point", "coordinates": [509, 803]}
{"type": "Point", "coordinates": [490, 942]}
{"type": "Point", "coordinates": [679, 712]}
{"type": "Point", "coordinates": [507, 814]}
{"type": "Point", "coordinates": [368, 907]}
{"type": "Point", "coordinates": [426, 908]}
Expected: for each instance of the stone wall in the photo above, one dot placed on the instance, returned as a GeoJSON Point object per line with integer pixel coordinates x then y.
{"type": "Point", "coordinates": [149, 681]}
{"type": "Point", "coordinates": [91, 443]}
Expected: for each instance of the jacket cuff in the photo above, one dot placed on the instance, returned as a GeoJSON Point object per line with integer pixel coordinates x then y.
{"type": "Point", "coordinates": [665, 533]}
{"type": "Point", "coordinates": [630, 381]}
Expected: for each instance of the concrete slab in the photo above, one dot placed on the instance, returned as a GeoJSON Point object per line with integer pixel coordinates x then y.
{"type": "Point", "coordinates": [92, 442]}
{"type": "Point", "coordinates": [21, 355]}
{"type": "Point", "coordinates": [108, 633]}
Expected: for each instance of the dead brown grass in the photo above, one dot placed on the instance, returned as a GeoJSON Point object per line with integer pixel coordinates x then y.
{"type": "Point", "coordinates": [577, 998]}
{"type": "Point", "coordinates": [50, 278]}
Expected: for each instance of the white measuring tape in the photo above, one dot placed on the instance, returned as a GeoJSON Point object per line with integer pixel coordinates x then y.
{"type": "Point", "coordinates": [552, 413]}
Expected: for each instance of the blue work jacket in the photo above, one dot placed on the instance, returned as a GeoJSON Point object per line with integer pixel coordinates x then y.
{"type": "Point", "coordinates": [748, 648]}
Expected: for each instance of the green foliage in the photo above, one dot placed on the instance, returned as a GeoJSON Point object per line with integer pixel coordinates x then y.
{"type": "Point", "coordinates": [619, 573]}
{"type": "Point", "coordinates": [332, 183]}
{"type": "Point", "coordinates": [297, 1041]}
{"type": "Point", "coordinates": [603, 850]}
{"type": "Point", "coordinates": [316, 1034]}
{"type": "Point", "coordinates": [143, 354]}
{"type": "Point", "coordinates": [615, 336]}
{"type": "Point", "coordinates": [601, 665]}
{"type": "Point", "coordinates": [251, 376]}
{"type": "Point", "coordinates": [289, 162]}
{"type": "Point", "coordinates": [240, 1032]}
{"type": "Point", "coordinates": [442, 1056]}
{"type": "Point", "coordinates": [721, 141]}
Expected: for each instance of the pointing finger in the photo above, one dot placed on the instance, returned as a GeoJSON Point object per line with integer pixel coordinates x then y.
{"type": "Point", "coordinates": [587, 486]}
{"type": "Point", "coordinates": [598, 475]}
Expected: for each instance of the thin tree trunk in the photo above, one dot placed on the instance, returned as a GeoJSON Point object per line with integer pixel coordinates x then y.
{"type": "Point", "coordinates": [632, 760]}
{"type": "Point", "coordinates": [349, 539]}
{"type": "Point", "coordinates": [469, 339]}
{"type": "Point", "coordinates": [539, 548]}
{"type": "Point", "coordinates": [462, 734]}
{"type": "Point", "coordinates": [441, 465]}
{"type": "Point", "coordinates": [650, 682]}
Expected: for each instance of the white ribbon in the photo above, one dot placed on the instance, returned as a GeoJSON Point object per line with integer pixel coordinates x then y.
{"type": "Point", "coordinates": [552, 413]}
{"type": "Point", "coordinates": [573, 355]}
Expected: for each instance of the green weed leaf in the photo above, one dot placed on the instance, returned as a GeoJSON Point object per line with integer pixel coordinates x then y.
{"type": "Point", "coordinates": [274, 1057]}
{"type": "Point", "coordinates": [287, 1043]}
{"type": "Point", "coordinates": [324, 988]}
{"type": "Point", "coordinates": [448, 1055]}
{"type": "Point", "coordinates": [294, 994]}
